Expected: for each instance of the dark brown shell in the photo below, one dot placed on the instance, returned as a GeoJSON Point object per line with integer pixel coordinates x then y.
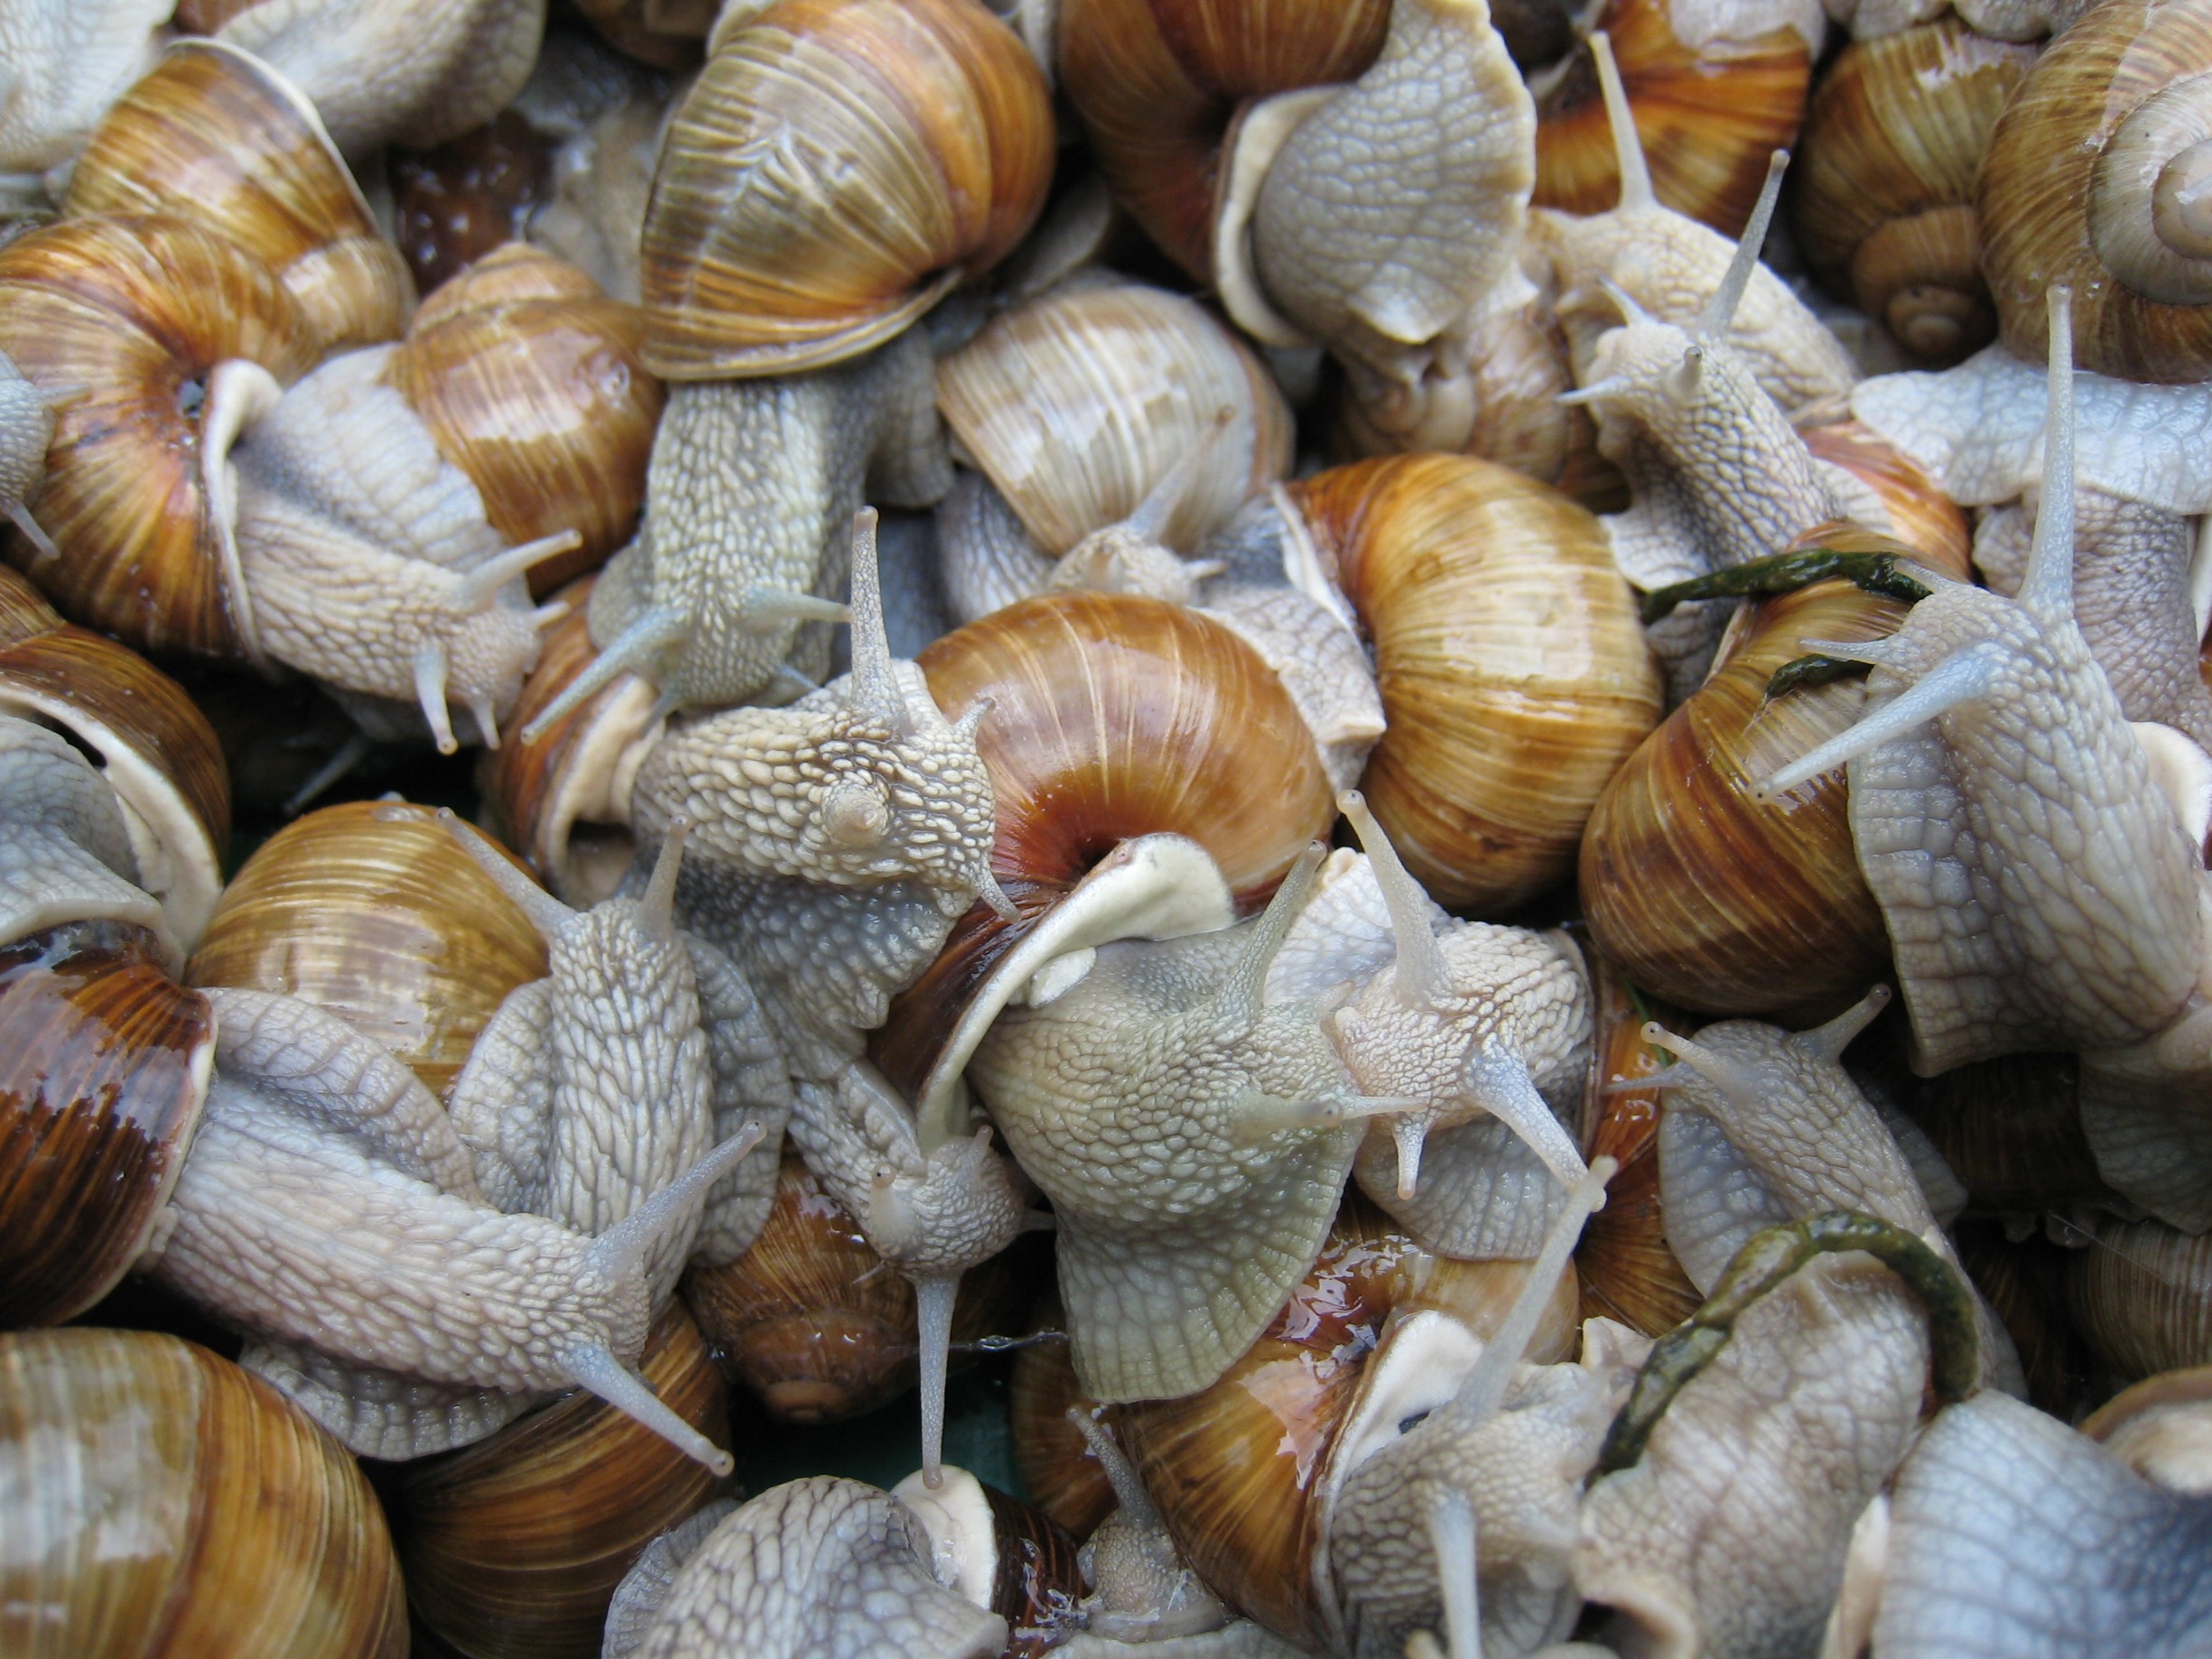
{"type": "Point", "coordinates": [104, 1066]}
{"type": "Point", "coordinates": [512, 1546]}
{"type": "Point", "coordinates": [1056, 1468]}
{"type": "Point", "coordinates": [2141, 1295]}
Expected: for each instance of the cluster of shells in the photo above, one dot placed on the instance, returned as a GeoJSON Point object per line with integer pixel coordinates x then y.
{"type": "Point", "coordinates": [929, 519]}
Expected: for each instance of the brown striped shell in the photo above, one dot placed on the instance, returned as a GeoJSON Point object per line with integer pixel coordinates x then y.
{"type": "Point", "coordinates": [838, 167]}
{"type": "Point", "coordinates": [2142, 1293]}
{"type": "Point", "coordinates": [1720, 903]}
{"type": "Point", "coordinates": [375, 913]}
{"type": "Point", "coordinates": [1237, 1471]}
{"type": "Point", "coordinates": [104, 1066]}
{"type": "Point", "coordinates": [512, 1546]}
{"type": "Point", "coordinates": [150, 740]}
{"type": "Point", "coordinates": [214, 136]}
{"type": "Point", "coordinates": [163, 1503]}
{"type": "Point", "coordinates": [1707, 116]}
{"type": "Point", "coordinates": [1111, 716]}
{"type": "Point", "coordinates": [138, 312]}
{"type": "Point", "coordinates": [532, 382]}
{"type": "Point", "coordinates": [2092, 181]}
{"type": "Point", "coordinates": [1883, 186]}
{"type": "Point", "coordinates": [1513, 673]}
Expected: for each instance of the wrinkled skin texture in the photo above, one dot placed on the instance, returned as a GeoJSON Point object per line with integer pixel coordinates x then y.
{"type": "Point", "coordinates": [819, 1566]}
{"type": "Point", "coordinates": [1131, 1100]}
{"type": "Point", "coordinates": [1727, 1539]}
{"type": "Point", "coordinates": [66, 60]}
{"type": "Point", "coordinates": [754, 483]}
{"type": "Point", "coordinates": [2039, 892]}
{"type": "Point", "coordinates": [26, 428]}
{"type": "Point", "coordinates": [2013, 1536]}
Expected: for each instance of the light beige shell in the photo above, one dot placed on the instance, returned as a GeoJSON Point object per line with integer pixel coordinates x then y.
{"type": "Point", "coordinates": [1077, 403]}
{"type": "Point", "coordinates": [837, 168]}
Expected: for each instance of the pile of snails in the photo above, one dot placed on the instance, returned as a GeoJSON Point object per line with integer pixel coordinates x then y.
{"type": "Point", "coordinates": [1458, 751]}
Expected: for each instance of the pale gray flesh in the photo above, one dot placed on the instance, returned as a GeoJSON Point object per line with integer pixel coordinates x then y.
{"type": "Point", "coordinates": [2132, 601]}
{"type": "Point", "coordinates": [1727, 1538]}
{"type": "Point", "coordinates": [1146, 1101]}
{"type": "Point", "coordinates": [751, 491]}
{"type": "Point", "coordinates": [2012, 1537]}
{"type": "Point", "coordinates": [1764, 1125]}
{"type": "Point", "coordinates": [26, 428]}
{"type": "Point", "coordinates": [822, 1566]}
{"type": "Point", "coordinates": [66, 61]}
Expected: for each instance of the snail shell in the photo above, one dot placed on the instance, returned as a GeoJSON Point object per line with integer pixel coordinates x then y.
{"type": "Point", "coordinates": [104, 1067]}
{"type": "Point", "coordinates": [1885, 210]}
{"type": "Point", "coordinates": [154, 747]}
{"type": "Point", "coordinates": [1719, 901]}
{"type": "Point", "coordinates": [1241, 1472]}
{"type": "Point", "coordinates": [532, 382]}
{"type": "Point", "coordinates": [2141, 1294]}
{"type": "Point", "coordinates": [1156, 86]}
{"type": "Point", "coordinates": [881, 150]}
{"type": "Point", "coordinates": [214, 136]}
{"type": "Point", "coordinates": [373, 911]}
{"type": "Point", "coordinates": [1113, 717]}
{"type": "Point", "coordinates": [1076, 404]}
{"type": "Point", "coordinates": [165, 1502]}
{"type": "Point", "coordinates": [2093, 180]}
{"type": "Point", "coordinates": [1513, 673]}
{"type": "Point", "coordinates": [1708, 115]}
{"type": "Point", "coordinates": [512, 1547]}
{"type": "Point", "coordinates": [140, 312]}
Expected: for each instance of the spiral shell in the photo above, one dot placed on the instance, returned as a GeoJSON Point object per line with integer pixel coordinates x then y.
{"type": "Point", "coordinates": [532, 382]}
{"type": "Point", "coordinates": [1111, 716]}
{"type": "Point", "coordinates": [139, 311]}
{"type": "Point", "coordinates": [837, 169]}
{"type": "Point", "coordinates": [1513, 673]}
{"type": "Point", "coordinates": [1884, 184]}
{"type": "Point", "coordinates": [214, 136]}
{"type": "Point", "coordinates": [2142, 1293]}
{"type": "Point", "coordinates": [1708, 116]}
{"type": "Point", "coordinates": [2092, 179]}
{"type": "Point", "coordinates": [1076, 404]}
{"type": "Point", "coordinates": [373, 911]}
{"type": "Point", "coordinates": [163, 1502]}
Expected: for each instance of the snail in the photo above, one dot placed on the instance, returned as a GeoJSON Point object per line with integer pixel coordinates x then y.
{"type": "Point", "coordinates": [69, 61]}
{"type": "Point", "coordinates": [1723, 1511]}
{"type": "Point", "coordinates": [379, 73]}
{"type": "Point", "coordinates": [26, 428]}
{"type": "Point", "coordinates": [2136, 1295]}
{"type": "Point", "coordinates": [1978, 666]}
{"type": "Point", "coordinates": [228, 1521]}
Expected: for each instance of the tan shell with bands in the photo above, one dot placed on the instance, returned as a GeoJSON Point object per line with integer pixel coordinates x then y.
{"type": "Point", "coordinates": [533, 381]}
{"type": "Point", "coordinates": [1156, 83]}
{"type": "Point", "coordinates": [1884, 181]}
{"type": "Point", "coordinates": [215, 135]}
{"type": "Point", "coordinates": [1076, 404]}
{"type": "Point", "coordinates": [2078, 187]}
{"type": "Point", "coordinates": [512, 1546]}
{"type": "Point", "coordinates": [375, 913]}
{"type": "Point", "coordinates": [1513, 672]}
{"type": "Point", "coordinates": [837, 168]}
{"type": "Point", "coordinates": [104, 1067]}
{"type": "Point", "coordinates": [227, 1523]}
{"type": "Point", "coordinates": [1708, 117]}
{"type": "Point", "coordinates": [1113, 716]}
